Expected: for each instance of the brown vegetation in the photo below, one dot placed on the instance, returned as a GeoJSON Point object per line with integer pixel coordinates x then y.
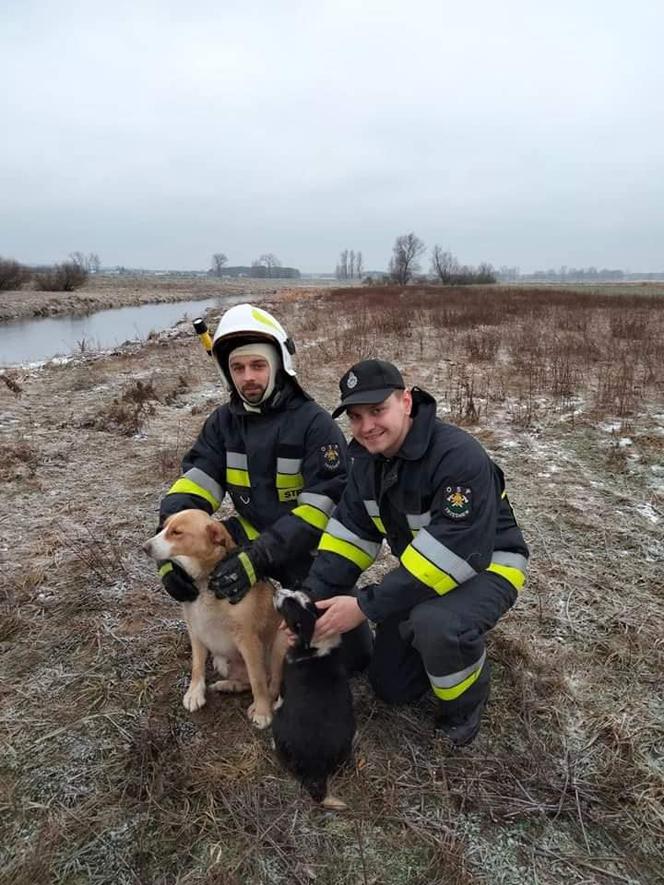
{"type": "Point", "coordinates": [104, 777]}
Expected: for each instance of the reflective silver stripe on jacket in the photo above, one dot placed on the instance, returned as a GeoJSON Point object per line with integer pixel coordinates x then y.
{"type": "Point", "coordinates": [417, 521]}
{"type": "Point", "coordinates": [372, 508]}
{"type": "Point", "coordinates": [455, 678]}
{"type": "Point", "coordinates": [236, 460]}
{"type": "Point", "coordinates": [291, 466]}
{"type": "Point", "coordinates": [337, 530]}
{"type": "Point", "coordinates": [205, 481]}
{"type": "Point", "coordinates": [442, 557]}
{"type": "Point", "coordinates": [513, 560]}
{"type": "Point", "coordinates": [321, 502]}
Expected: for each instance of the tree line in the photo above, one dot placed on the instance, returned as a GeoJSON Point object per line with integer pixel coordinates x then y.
{"type": "Point", "coordinates": [266, 266]}
{"type": "Point", "coordinates": [64, 277]}
{"type": "Point", "coordinates": [405, 265]}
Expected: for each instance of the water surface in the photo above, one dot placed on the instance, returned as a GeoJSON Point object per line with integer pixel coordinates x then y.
{"type": "Point", "coordinates": [34, 340]}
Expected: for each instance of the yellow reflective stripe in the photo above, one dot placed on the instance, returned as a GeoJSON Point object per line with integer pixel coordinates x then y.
{"type": "Point", "coordinates": [378, 522]}
{"type": "Point", "coordinates": [165, 569]}
{"type": "Point", "coordinates": [237, 477]}
{"type": "Point", "coordinates": [249, 530]}
{"type": "Point", "coordinates": [184, 486]}
{"type": "Point", "coordinates": [426, 572]}
{"type": "Point", "coordinates": [347, 550]}
{"type": "Point", "coordinates": [516, 577]}
{"type": "Point", "coordinates": [264, 318]}
{"type": "Point", "coordinates": [504, 494]}
{"type": "Point", "coordinates": [311, 515]}
{"type": "Point", "coordinates": [449, 694]}
{"type": "Point", "coordinates": [290, 481]}
{"type": "Point", "coordinates": [248, 567]}
{"type": "Point", "coordinates": [287, 495]}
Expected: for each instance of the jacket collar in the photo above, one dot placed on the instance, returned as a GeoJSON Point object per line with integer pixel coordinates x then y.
{"type": "Point", "coordinates": [418, 438]}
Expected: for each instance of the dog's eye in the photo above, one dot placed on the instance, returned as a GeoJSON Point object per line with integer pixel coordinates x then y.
{"type": "Point", "coordinates": [176, 531]}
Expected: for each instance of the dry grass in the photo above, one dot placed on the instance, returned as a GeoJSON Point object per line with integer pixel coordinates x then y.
{"type": "Point", "coordinates": [104, 777]}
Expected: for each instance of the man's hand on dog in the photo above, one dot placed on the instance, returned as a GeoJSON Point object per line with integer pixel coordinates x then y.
{"type": "Point", "coordinates": [177, 583]}
{"type": "Point", "coordinates": [236, 574]}
{"type": "Point", "coordinates": [342, 613]}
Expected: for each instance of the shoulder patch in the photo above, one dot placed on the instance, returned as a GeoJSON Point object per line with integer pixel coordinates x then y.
{"type": "Point", "coordinates": [456, 502]}
{"type": "Point", "coordinates": [330, 456]}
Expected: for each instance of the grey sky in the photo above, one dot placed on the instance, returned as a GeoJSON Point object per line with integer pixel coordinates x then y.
{"type": "Point", "coordinates": [156, 133]}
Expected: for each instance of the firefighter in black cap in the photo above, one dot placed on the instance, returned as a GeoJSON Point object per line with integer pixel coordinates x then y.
{"type": "Point", "coordinates": [431, 491]}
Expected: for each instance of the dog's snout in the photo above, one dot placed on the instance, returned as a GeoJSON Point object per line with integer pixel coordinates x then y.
{"type": "Point", "coordinates": [147, 547]}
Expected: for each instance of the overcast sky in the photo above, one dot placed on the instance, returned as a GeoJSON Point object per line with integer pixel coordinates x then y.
{"type": "Point", "coordinates": [156, 133]}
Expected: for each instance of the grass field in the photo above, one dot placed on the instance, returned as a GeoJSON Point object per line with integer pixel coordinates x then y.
{"type": "Point", "coordinates": [105, 778]}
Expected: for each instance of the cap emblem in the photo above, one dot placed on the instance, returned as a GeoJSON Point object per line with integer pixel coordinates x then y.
{"type": "Point", "coordinates": [351, 381]}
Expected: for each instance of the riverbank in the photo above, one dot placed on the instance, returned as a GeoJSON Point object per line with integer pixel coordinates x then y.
{"type": "Point", "coordinates": [105, 777]}
{"type": "Point", "coordinates": [102, 292]}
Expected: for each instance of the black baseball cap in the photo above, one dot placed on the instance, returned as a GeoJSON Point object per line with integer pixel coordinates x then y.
{"type": "Point", "coordinates": [370, 381]}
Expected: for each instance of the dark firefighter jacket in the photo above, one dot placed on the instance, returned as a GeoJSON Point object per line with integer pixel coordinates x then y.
{"type": "Point", "coordinates": [440, 503]}
{"type": "Point", "coordinates": [284, 470]}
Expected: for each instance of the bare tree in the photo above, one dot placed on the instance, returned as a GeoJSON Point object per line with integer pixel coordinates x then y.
{"type": "Point", "coordinates": [443, 264]}
{"type": "Point", "coordinates": [351, 264]}
{"type": "Point", "coordinates": [12, 274]}
{"type": "Point", "coordinates": [403, 264]}
{"type": "Point", "coordinates": [219, 259]}
{"type": "Point", "coordinates": [359, 267]}
{"type": "Point", "coordinates": [63, 277]}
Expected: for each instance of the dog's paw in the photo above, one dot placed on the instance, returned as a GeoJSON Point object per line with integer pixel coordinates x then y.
{"type": "Point", "coordinates": [331, 803]}
{"type": "Point", "coordinates": [259, 719]}
{"type": "Point", "coordinates": [230, 685]}
{"type": "Point", "coordinates": [194, 699]}
{"type": "Point", "coordinates": [277, 704]}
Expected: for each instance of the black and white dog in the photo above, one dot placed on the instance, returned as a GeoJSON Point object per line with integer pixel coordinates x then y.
{"type": "Point", "coordinates": [313, 724]}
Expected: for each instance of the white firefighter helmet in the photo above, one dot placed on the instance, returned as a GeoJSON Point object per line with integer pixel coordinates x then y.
{"type": "Point", "coordinates": [243, 324]}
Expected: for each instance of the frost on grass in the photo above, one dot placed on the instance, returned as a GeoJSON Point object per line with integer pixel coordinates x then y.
{"type": "Point", "coordinates": [105, 778]}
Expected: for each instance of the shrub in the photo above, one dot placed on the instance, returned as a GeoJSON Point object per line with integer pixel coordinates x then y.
{"type": "Point", "coordinates": [12, 274]}
{"type": "Point", "coordinates": [63, 277]}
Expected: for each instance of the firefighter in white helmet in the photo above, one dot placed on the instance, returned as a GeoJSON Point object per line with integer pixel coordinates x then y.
{"type": "Point", "coordinates": [280, 457]}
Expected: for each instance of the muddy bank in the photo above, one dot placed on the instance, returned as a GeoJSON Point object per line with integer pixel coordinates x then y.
{"type": "Point", "coordinates": [101, 293]}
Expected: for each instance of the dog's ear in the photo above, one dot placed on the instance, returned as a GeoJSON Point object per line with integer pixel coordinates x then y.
{"type": "Point", "coordinates": [217, 534]}
{"type": "Point", "coordinates": [301, 620]}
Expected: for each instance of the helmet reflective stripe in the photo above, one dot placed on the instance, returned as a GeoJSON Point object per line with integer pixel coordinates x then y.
{"type": "Point", "coordinates": [245, 319]}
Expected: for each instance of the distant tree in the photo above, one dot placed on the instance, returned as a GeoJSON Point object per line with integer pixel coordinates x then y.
{"type": "Point", "coordinates": [405, 252]}
{"type": "Point", "coordinates": [219, 259]}
{"type": "Point", "coordinates": [63, 277]}
{"type": "Point", "coordinates": [12, 274]}
{"type": "Point", "coordinates": [89, 263]}
{"type": "Point", "coordinates": [351, 264]}
{"type": "Point", "coordinates": [359, 267]}
{"type": "Point", "coordinates": [443, 264]}
{"type": "Point", "coordinates": [270, 262]}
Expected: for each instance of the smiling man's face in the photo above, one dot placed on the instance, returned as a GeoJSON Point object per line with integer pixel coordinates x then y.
{"type": "Point", "coordinates": [382, 427]}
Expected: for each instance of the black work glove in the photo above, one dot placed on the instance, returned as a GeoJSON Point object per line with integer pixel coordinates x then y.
{"type": "Point", "coordinates": [177, 583]}
{"type": "Point", "coordinates": [233, 576]}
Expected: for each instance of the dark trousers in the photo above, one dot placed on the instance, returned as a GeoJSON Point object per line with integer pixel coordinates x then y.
{"type": "Point", "coordinates": [439, 645]}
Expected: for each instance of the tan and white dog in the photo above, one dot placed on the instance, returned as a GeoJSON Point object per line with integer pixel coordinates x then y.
{"type": "Point", "coordinates": [244, 640]}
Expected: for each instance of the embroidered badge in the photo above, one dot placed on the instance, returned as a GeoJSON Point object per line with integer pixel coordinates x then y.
{"type": "Point", "coordinates": [331, 456]}
{"type": "Point", "coordinates": [351, 381]}
{"type": "Point", "coordinates": [456, 503]}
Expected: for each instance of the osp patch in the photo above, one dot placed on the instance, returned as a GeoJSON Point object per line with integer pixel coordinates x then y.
{"type": "Point", "coordinates": [456, 502]}
{"type": "Point", "coordinates": [331, 456]}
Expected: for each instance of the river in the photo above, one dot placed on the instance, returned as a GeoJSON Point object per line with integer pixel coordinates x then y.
{"type": "Point", "coordinates": [37, 340]}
